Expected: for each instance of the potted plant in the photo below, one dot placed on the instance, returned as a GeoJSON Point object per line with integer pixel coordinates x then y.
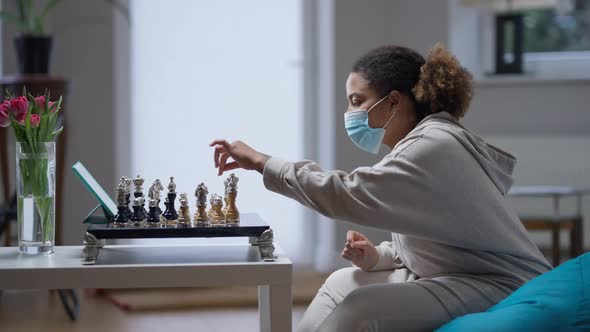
{"type": "Point", "coordinates": [33, 45]}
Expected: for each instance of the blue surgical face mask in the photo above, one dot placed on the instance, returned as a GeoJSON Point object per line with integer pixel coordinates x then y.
{"type": "Point", "coordinates": [362, 135]}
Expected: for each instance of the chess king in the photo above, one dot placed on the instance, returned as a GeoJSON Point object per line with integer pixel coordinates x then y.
{"type": "Point", "coordinates": [231, 211]}
{"type": "Point", "coordinates": [201, 193]}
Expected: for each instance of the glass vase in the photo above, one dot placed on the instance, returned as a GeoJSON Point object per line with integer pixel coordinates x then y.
{"type": "Point", "coordinates": [35, 182]}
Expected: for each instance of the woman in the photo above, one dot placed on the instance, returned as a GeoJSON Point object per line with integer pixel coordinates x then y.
{"type": "Point", "coordinates": [457, 248]}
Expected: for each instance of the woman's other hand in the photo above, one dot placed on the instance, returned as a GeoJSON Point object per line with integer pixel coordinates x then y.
{"type": "Point", "coordinates": [360, 251]}
{"type": "Point", "coordinates": [243, 156]}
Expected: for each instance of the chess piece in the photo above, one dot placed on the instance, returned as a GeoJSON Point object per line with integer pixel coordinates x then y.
{"type": "Point", "coordinates": [226, 184]}
{"type": "Point", "coordinates": [154, 214]}
{"type": "Point", "coordinates": [170, 214]}
{"type": "Point", "coordinates": [201, 193]}
{"type": "Point", "coordinates": [215, 213]}
{"type": "Point", "coordinates": [231, 211]}
{"type": "Point", "coordinates": [138, 192]}
{"type": "Point", "coordinates": [137, 219]}
{"type": "Point", "coordinates": [127, 182]}
{"type": "Point", "coordinates": [121, 218]}
{"type": "Point", "coordinates": [184, 215]}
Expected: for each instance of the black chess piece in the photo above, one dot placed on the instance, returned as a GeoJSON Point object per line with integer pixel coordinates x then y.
{"type": "Point", "coordinates": [128, 211]}
{"type": "Point", "coordinates": [170, 214]}
{"type": "Point", "coordinates": [153, 215]}
{"type": "Point", "coordinates": [137, 217]}
{"type": "Point", "coordinates": [121, 217]}
{"type": "Point", "coordinates": [142, 212]}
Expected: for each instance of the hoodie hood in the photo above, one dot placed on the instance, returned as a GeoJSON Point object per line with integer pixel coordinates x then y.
{"type": "Point", "coordinates": [496, 163]}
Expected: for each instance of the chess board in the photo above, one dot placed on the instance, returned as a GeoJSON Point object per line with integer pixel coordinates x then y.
{"type": "Point", "coordinates": [250, 225]}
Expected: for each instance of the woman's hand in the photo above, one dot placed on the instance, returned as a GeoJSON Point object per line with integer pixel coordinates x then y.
{"type": "Point", "coordinates": [244, 156]}
{"type": "Point", "coordinates": [360, 251]}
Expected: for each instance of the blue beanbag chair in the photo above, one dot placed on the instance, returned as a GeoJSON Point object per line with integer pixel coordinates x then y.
{"type": "Point", "coordinates": [558, 300]}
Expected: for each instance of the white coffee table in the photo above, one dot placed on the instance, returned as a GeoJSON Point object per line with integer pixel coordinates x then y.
{"type": "Point", "coordinates": [147, 266]}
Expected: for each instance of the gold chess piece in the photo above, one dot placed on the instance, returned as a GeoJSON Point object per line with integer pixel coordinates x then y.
{"type": "Point", "coordinates": [215, 213]}
{"type": "Point", "coordinates": [184, 217]}
{"type": "Point", "coordinates": [231, 192]}
{"type": "Point", "coordinates": [201, 216]}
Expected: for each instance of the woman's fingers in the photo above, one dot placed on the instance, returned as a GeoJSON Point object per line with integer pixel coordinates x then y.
{"type": "Point", "coordinates": [230, 166]}
{"type": "Point", "coordinates": [362, 244]}
{"type": "Point", "coordinates": [219, 149]}
{"type": "Point", "coordinates": [221, 142]}
{"type": "Point", "coordinates": [353, 251]}
{"type": "Point", "coordinates": [354, 236]}
{"type": "Point", "coordinates": [222, 161]}
{"type": "Point", "coordinates": [346, 255]}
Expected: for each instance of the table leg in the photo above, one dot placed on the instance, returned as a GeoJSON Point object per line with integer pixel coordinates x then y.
{"type": "Point", "coordinates": [576, 238]}
{"type": "Point", "coordinates": [274, 308]}
{"type": "Point", "coordinates": [556, 246]}
{"type": "Point", "coordinates": [265, 245]}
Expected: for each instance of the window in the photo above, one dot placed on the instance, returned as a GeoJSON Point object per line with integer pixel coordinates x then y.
{"type": "Point", "coordinates": [231, 69]}
{"type": "Point", "coordinates": [548, 30]}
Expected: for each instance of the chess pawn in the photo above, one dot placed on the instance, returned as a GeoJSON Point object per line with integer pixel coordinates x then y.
{"type": "Point", "coordinates": [184, 217]}
{"type": "Point", "coordinates": [137, 218]}
{"type": "Point", "coordinates": [215, 213]}
{"type": "Point", "coordinates": [170, 214]}
{"type": "Point", "coordinates": [153, 217]}
{"type": "Point", "coordinates": [231, 211]}
{"type": "Point", "coordinates": [201, 216]}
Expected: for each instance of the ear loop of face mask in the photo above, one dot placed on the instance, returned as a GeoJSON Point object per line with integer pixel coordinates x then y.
{"type": "Point", "coordinates": [379, 102]}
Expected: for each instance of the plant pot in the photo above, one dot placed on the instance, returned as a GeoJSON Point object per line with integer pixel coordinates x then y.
{"type": "Point", "coordinates": [33, 53]}
{"type": "Point", "coordinates": [35, 179]}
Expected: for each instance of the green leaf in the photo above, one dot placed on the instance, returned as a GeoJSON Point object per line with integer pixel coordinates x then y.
{"type": "Point", "coordinates": [50, 4]}
{"type": "Point", "coordinates": [57, 132]}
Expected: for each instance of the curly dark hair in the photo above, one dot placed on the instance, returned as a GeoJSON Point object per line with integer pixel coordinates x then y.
{"type": "Point", "coordinates": [438, 83]}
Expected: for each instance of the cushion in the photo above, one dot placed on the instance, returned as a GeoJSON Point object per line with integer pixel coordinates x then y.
{"type": "Point", "coordinates": [558, 300]}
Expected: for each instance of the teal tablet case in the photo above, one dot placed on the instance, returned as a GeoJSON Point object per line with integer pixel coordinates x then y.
{"type": "Point", "coordinates": [107, 205]}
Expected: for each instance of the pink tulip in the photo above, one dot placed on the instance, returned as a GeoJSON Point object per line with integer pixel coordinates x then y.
{"type": "Point", "coordinates": [4, 115]}
{"type": "Point", "coordinates": [19, 107]}
{"type": "Point", "coordinates": [35, 119]}
{"type": "Point", "coordinates": [40, 101]}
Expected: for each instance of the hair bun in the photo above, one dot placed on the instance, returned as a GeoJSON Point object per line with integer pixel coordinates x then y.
{"type": "Point", "coordinates": [444, 85]}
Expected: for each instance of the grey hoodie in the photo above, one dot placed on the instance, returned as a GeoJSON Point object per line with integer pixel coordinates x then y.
{"type": "Point", "coordinates": [441, 192]}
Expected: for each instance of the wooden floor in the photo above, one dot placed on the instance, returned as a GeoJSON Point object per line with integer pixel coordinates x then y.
{"type": "Point", "coordinates": [31, 311]}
